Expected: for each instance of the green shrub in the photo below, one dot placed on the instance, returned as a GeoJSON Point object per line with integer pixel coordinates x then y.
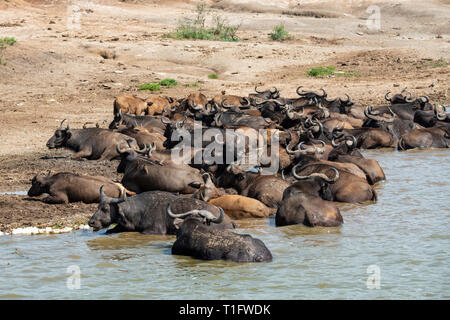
{"type": "Point", "coordinates": [322, 72]}
{"type": "Point", "coordinates": [3, 43]}
{"type": "Point", "coordinates": [168, 82]}
{"type": "Point", "coordinates": [213, 76]}
{"type": "Point", "coordinates": [197, 29]}
{"type": "Point", "coordinates": [7, 41]}
{"type": "Point", "coordinates": [196, 84]}
{"type": "Point", "coordinates": [150, 86]}
{"type": "Point", "coordinates": [437, 63]}
{"type": "Point", "coordinates": [279, 33]}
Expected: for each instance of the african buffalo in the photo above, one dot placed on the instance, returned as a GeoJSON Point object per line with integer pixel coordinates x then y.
{"type": "Point", "coordinates": [90, 143]}
{"type": "Point", "coordinates": [129, 104]}
{"type": "Point", "coordinates": [303, 202]}
{"type": "Point", "coordinates": [240, 207]}
{"type": "Point", "coordinates": [65, 187]}
{"type": "Point", "coordinates": [250, 183]}
{"type": "Point", "coordinates": [143, 174]}
{"type": "Point", "coordinates": [146, 212]}
{"type": "Point", "coordinates": [197, 239]}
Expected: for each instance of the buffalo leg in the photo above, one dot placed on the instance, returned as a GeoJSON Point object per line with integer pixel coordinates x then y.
{"type": "Point", "coordinates": [109, 153]}
{"type": "Point", "coordinates": [57, 198]}
{"type": "Point", "coordinates": [82, 154]}
{"type": "Point", "coordinates": [117, 229]}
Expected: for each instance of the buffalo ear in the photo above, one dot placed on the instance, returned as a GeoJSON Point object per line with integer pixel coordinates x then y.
{"type": "Point", "coordinates": [177, 222]}
{"type": "Point", "coordinates": [119, 216]}
{"type": "Point", "coordinates": [68, 134]}
{"type": "Point", "coordinates": [195, 185]}
{"type": "Point", "coordinates": [149, 103]}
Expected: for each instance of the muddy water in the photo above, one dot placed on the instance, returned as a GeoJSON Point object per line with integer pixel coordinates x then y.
{"type": "Point", "coordinates": [406, 236]}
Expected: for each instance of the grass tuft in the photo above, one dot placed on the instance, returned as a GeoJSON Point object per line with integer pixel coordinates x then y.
{"type": "Point", "coordinates": [190, 85]}
{"type": "Point", "coordinates": [279, 33]}
{"type": "Point", "coordinates": [150, 86]}
{"type": "Point", "coordinates": [324, 72]}
{"type": "Point", "coordinates": [3, 43]}
{"type": "Point", "coordinates": [213, 76]}
{"type": "Point", "coordinates": [440, 63]}
{"type": "Point", "coordinates": [7, 41]}
{"type": "Point", "coordinates": [168, 82]}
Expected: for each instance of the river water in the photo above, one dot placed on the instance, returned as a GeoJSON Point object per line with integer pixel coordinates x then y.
{"type": "Point", "coordinates": [402, 242]}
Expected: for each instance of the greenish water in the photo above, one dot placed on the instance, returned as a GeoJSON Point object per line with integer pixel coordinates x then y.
{"type": "Point", "coordinates": [406, 234]}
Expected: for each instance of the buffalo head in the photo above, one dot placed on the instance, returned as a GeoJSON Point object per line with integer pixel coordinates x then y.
{"type": "Point", "coordinates": [107, 212]}
{"type": "Point", "coordinates": [59, 138]}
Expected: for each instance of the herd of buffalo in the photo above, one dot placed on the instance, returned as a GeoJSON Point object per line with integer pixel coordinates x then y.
{"type": "Point", "coordinates": [318, 164]}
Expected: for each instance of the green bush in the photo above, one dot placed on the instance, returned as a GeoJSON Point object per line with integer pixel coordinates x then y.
{"type": "Point", "coordinates": [279, 33]}
{"type": "Point", "coordinates": [3, 43]}
{"type": "Point", "coordinates": [7, 41]}
{"type": "Point", "coordinates": [188, 85]}
{"type": "Point", "coordinates": [168, 82]}
{"type": "Point", "coordinates": [213, 76]}
{"type": "Point", "coordinates": [197, 29]}
{"type": "Point", "coordinates": [322, 72]}
{"type": "Point", "coordinates": [150, 86]}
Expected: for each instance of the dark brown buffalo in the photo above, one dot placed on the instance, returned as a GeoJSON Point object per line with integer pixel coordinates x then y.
{"type": "Point", "coordinates": [143, 174]}
{"type": "Point", "coordinates": [351, 186]}
{"type": "Point", "coordinates": [90, 143]}
{"type": "Point", "coordinates": [434, 137]}
{"type": "Point", "coordinates": [197, 239]}
{"type": "Point", "coordinates": [146, 212]}
{"type": "Point", "coordinates": [65, 187]}
{"type": "Point", "coordinates": [144, 137]}
{"type": "Point", "coordinates": [303, 202]}
{"type": "Point", "coordinates": [250, 183]}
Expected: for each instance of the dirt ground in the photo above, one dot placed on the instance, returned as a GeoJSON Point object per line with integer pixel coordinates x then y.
{"type": "Point", "coordinates": [56, 71]}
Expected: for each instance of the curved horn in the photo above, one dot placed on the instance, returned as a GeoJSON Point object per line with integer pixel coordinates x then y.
{"type": "Point", "coordinates": [333, 143]}
{"type": "Point", "coordinates": [150, 149]}
{"type": "Point", "coordinates": [179, 215]}
{"type": "Point", "coordinates": [353, 141]}
{"type": "Point", "coordinates": [224, 105]}
{"type": "Point", "coordinates": [103, 196]}
{"type": "Point", "coordinates": [247, 102]}
{"type": "Point", "coordinates": [165, 121]}
{"type": "Point", "coordinates": [120, 150]}
{"type": "Point", "coordinates": [120, 200]}
{"type": "Point", "coordinates": [207, 215]}
{"type": "Point", "coordinates": [144, 150]}
{"type": "Point", "coordinates": [316, 174]}
{"type": "Point", "coordinates": [386, 96]}
{"type": "Point", "coordinates": [220, 218]}
{"type": "Point", "coordinates": [348, 99]}
{"type": "Point", "coordinates": [324, 93]}
{"type": "Point", "coordinates": [440, 116]}
{"type": "Point", "coordinates": [256, 90]}
{"type": "Point", "coordinates": [410, 99]}
{"type": "Point", "coordinates": [322, 149]}
{"type": "Point", "coordinates": [196, 107]}
{"type": "Point", "coordinates": [368, 113]}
